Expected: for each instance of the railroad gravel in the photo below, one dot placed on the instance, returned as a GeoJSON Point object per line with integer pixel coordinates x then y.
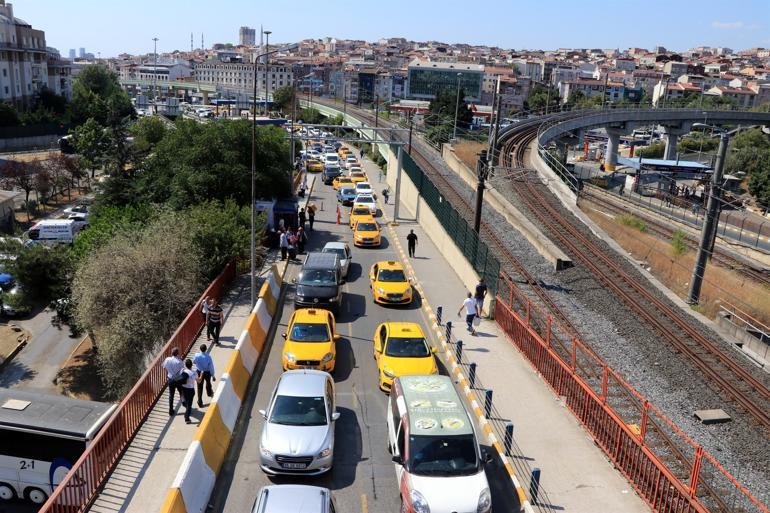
{"type": "Point", "coordinates": [638, 354]}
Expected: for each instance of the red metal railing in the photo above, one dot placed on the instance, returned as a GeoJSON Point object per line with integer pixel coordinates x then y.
{"type": "Point", "coordinates": [626, 431]}
{"type": "Point", "coordinates": [82, 482]}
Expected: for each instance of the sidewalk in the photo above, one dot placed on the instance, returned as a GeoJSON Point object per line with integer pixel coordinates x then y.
{"type": "Point", "coordinates": [576, 476]}
{"type": "Point", "coordinates": [147, 469]}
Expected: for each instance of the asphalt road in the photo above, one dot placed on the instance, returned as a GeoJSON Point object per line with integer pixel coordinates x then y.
{"type": "Point", "coordinates": [363, 476]}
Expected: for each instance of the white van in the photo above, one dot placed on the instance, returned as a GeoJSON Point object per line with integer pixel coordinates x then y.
{"type": "Point", "coordinates": [50, 231]}
{"type": "Point", "coordinates": [439, 465]}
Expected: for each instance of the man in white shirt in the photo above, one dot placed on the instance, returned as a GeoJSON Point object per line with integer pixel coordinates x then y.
{"type": "Point", "coordinates": [471, 311]}
{"type": "Point", "coordinates": [173, 366]}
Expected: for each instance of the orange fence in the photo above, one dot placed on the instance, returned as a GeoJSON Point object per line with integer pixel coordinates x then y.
{"type": "Point", "coordinates": [82, 482]}
{"type": "Point", "coordinates": [667, 469]}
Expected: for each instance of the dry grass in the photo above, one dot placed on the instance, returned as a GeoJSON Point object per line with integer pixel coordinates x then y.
{"type": "Point", "coordinates": [10, 337]}
{"type": "Point", "coordinates": [468, 152]}
{"type": "Point", "coordinates": [676, 270]}
{"type": "Point", "coordinates": [79, 376]}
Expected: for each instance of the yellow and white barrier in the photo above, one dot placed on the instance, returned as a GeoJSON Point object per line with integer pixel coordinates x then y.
{"type": "Point", "coordinates": [192, 487]}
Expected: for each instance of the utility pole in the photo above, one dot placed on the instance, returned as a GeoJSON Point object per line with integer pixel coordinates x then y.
{"type": "Point", "coordinates": [411, 118]}
{"type": "Point", "coordinates": [710, 223]}
{"type": "Point", "coordinates": [376, 122]}
{"type": "Point", "coordinates": [604, 91]}
{"type": "Point", "coordinates": [253, 253]}
{"type": "Point", "coordinates": [495, 129]}
{"type": "Point", "coordinates": [267, 66]}
{"type": "Point", "coordinates": [397, 196]}
{"type": "Point", "coordinates": [481, 175]}
{"type": "Point", "coordinates": [293, 115]}
{"type": "Point", "coordinates": [457, 107]}
{"type": "Point", "coordinates": [155, 74]}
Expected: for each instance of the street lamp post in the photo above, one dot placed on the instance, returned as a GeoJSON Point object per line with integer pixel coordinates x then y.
{"type": "Point", "coordinates": [457, 107]}
{"type": "Point", "coordinates": [155, 74]}
{"type": "Point", "coordinates": [267, 66]}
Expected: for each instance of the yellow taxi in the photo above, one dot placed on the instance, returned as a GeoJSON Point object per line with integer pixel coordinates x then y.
{"type": "Point", "coordinates": [343, 152]}
{"type": "Point", "coordinates": [315, 166]}
{"type": "Point", "coordinates": [401, 349]}
{"type": "Point", "coordinates": [310, 341]}
{"type": "Point", "coordinates": [342, 180]}
{"type": "Point", "coordinates": [366, 232]}
{"type": "Point", "coordinates": [357, 213]}
{"type": "Point", "coordinates": [389, 283]}
{"type": "Point", "coordinates": [358, 176]}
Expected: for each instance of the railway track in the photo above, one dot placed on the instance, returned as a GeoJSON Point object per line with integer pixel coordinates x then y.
{"type": "Point", "coordinates": [720, 257]}
{"type": "Point", "coordinates": [726, 375]}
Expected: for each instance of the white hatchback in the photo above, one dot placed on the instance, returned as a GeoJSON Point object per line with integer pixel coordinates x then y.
{"type": "Point", "coordinates": [366, 200]}
{"type": "Point", "coordinates": [365, 188]}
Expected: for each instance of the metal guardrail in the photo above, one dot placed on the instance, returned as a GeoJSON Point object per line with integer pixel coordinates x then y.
{"type": "Point", "coordinates": [81, 484]}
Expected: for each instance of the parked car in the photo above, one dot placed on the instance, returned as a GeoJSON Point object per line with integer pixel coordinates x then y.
{"type": "Point", "coordinates": [77, 209]}
{"type": "Point", "coordinates": [342, 250]}
{"type": "Point", "coordinates": [298, 434]}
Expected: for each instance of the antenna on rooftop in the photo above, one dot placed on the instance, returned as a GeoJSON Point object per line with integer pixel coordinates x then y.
{"type": "Point", "coordinates": [191, 42]}
{"type": "Point", "coordinates": [202, 47]}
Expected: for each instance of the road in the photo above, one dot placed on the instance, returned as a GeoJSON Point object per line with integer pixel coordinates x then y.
{"type": "Point", "coordinates": [363, 476]}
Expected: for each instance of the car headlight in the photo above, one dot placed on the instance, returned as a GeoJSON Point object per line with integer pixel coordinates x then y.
{"type": "Point", "coordinates": [419, 504]}
{"type": "Point", "coordinates": [485, 501]}
{"type": "Point", "coordinates": [388, 373]}
{"type": "Point", "coordinates": [327, 357]}
{"type": "Point", "coordinates": [325, 452]}
{"type": "Point", "coordinates": [290, 357]}
{"type": "Point", "coordinates": [380, 290]}
{"type": "Point", "coordinates": [265, 452]}
{"type": "Point", "coordinates": [358, 236]}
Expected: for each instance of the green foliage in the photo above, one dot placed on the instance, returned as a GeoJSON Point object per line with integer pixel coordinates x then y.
{"type": "Point", "coordinates": [678, 243]}
{"type": "Point", "coordinates": [96, 94]}
{"type": "Point", "coordinates": [311, 115]}
{"type": "Point", "coordinates": [694, 101]}
{"type": "Point", "coordinates": [578, 100]}
{"type": "Point", "coordinates": [148, 132]}
{"type": "Point", "coordinates": [442, 109]}
{"type": "Point", "coordinates": [751, 138]}
{"type": "Point", "coordinates": [539, 97]}
{"type": "Point", "coordinates": [44, 272]}
{"type": "Point", "coordinates": [759, 180]}
{"type": "Point", "coordinates": [748, 160]}
{"type": "Point", "coordinates": [633, 222]}
{"type": "Point", "coordinates": [51, 101]}
{"type": "Point", "coordinates": [282, 97]}
{"type": "Point", "coordinates": [440, 133]}
{"type": "Point", "coordinates": [106, 223]}
{"type": "Point", "coordinates": [336, 120]}
{"type": "Point", "coordinates": [8, 115]}
{"type": "Point", "coordinates": [90, 142]}
{"type": "Point", "coordinates": [697, 142]}
{"type": "Point", "coordinates": [765, 107]}
{"type": "Point", "coordinates": [653, 151]}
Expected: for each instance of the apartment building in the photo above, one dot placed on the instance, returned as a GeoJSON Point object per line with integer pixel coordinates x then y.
{"type": "Point", "coordinates": [23, 59]}
{"type": "Point", "coordinates": [239, 76]}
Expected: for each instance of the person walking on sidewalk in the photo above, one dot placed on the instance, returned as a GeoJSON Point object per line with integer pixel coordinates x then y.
{"type": "Point", "coordinates": [311, 215]}
{"type": "Point", "coordinates": [481, 293]}
{"type": "Point", "coordinates": [205, 366]}
{"type": "Point", "coordinates": [301, 240]}
{"type": "Point", "coordinates": [302, 218]}
{"type": "Point", "coordinates": [411, 242]}
{"type": "Point", "coordinates": [471, 311]}
{"type": "Point", "coordinates": [188, 388]}
{"type": "Point", "coordinates": [174, 366]}
{"type": "Point", "coordinates": [385, 194]}
{"type": "Point", "coordinates": [214, 320]}
{"type": "Point", "coordinates": [284, 244]}
{"type": "Point", "coordinates": [205, 311]}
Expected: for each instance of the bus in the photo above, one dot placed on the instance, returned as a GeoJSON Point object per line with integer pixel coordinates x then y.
{"type": "Point", "coordinates": [41, 437]}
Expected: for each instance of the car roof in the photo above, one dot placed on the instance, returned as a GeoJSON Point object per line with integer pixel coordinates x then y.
{"type": "Point", "coordinates": [365, 196]}
{"type": "Point", "coordinates": [292, 499]}
{"type": "Point", "coordinates": [318, 260]}
{"type": "Point", "coordinates": [340, 245]}
{"type": "Point", "coordinates": [364, 184]}
{"type": "Point", "coordinates": [368, 219]}
{"type": "Point", "coordinates": [303, 383]}
{"type": "Point", "coordinates": [434, 407]}
{"type": "Point", "coordinates": [405, 329]}
{"type": "Point", "coordinates": [390, 264]}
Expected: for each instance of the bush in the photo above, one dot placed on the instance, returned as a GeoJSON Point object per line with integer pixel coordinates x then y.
{"type": "Point", "coordinates": [679, 243]}
{"type": "Point", "coordinates": [44, 272]}
{"type": "Point", "coordinates": [633, 221]}
{"type": "Point", "coordinates": [653, 151]}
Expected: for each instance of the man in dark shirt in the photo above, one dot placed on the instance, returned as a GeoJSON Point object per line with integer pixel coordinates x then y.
{"type": "Point", "coordinates": [481, 293]}
{"type": "Point", "coordinates": [214, 320]}
{"type": "Point", "coordinates": [411, 242]}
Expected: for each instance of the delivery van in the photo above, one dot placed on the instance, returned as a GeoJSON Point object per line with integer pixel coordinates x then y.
{"type": "Point", "coordinates": [51, 231]}
{"type": "Point", "coordinates": [439, 464]}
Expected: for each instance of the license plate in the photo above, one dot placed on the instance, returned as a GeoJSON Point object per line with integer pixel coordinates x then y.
{"type": "Point", "coordinates": [294, 465]}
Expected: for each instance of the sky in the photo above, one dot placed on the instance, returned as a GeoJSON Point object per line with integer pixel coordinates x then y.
{"type": "Point", "coordinates": [110, 27]}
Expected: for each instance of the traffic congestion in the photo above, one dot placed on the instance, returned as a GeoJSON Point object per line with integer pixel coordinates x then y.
{"type": "Point", "coordinates": [352, 410]}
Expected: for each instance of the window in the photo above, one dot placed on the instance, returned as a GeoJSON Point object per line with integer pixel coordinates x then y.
{"type": "Point", "coordinates": [17, 444]}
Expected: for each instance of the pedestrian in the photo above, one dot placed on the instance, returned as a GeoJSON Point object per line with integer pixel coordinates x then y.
{"type": "Point", "coordinates": [301, 216]}
{"type": "Point", "coordinates": [301, 240]}
{"type": "Point", "coordinates": [481, 293]}
{"type": "Point", "coordinates": [204, 311]}
{"type": "Point", "coordinates": [362, 153]}
{"type": "Point", "coordinates": [622, 188]}
{"type": "Point", "coordinates": [385, 194]}
{"type": "Point", "coordinates": [311, 216]}
{"type": "Point", "coordinates": [292, 246]}
{"type": "Point", "coordinates": [471, 311]}
{"type": "Point", "coordinates": [214, 320]}
{"type": "Point", "coordinates": [284, 244]}
{"type": "Point", "coordinates": [411, 242]}
{"type": "Point", "coordinates": [173, 366]}
{"type": "Point", "coordinates": [191, 377]}
{"type": "Point", "coordinates": [205, 366]}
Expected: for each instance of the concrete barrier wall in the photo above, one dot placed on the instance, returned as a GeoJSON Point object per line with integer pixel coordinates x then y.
{"type": "Point", "coordinates": [29, 143]}
{"type": "Point", "coordinates": [194, 482]}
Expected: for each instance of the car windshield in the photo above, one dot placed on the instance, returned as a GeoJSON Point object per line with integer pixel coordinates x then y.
{"type": "Point", "coordinates": [361, 211]}
{"type": "Point", "coordinates": [298, 411]}
{"type": "Point", "coordinates": [347, 190]}
{"type": "Point", "coordinates": [366, 227]}
{"type": "Point", "coordinates": [362, 186]}
{"type": "Point", "coordinates": [407, 348]}
{"type": "Point", "coordinates": [317, 277]}
{"type": "Point", "coordinates": [443, 455]}
{"type": "Point", "coordinates": [391, 275]}
{"type": "Point", "coordinates": [309, 332]}
{"type": "Point", "coordinates": [337, 251]}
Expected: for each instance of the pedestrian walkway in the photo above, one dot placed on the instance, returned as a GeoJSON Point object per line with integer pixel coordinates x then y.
{"type": "Point", "coordinates": [147, 469]}
{"type": "Point", "coordinates": [576, 476]}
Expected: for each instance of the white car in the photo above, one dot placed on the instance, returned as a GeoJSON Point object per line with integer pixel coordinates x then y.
{"type": "Point", "coordinates": [354, 168]}
{"type": "Point", "coordinates": [77, 209]}
{"type": "Point", "coordinates": [365, 188]}
{"type": "Point", "coordinates": [366, 200]}
{"type": "Point", "coordinates": [331, 159]}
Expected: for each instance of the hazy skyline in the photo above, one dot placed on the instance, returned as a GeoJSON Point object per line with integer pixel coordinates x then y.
{"type": "Point", "coordinates": [115, 27]}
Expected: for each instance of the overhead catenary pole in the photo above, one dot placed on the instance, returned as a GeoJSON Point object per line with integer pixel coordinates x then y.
{"type": "Point", "coordinates": [710, 223]}
{"type": "Point", "coordinates": [397, 196]}
{"type": "Point", "coordinates": [155, 75]}
{"type": "Point", "coordinates": [267, 65]}
{"type": "Point", "coordinates": [457, 107]}
{"type": "Point", "coordinates": [376, 123]}
{"type": "Point", "coordinates": [481, 171]}
{"type": "Point", "coordinates": [497, 104]}
{"type": "Point", "coordinates": [253, 253]}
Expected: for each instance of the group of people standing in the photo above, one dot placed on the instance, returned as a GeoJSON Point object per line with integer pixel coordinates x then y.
{"type": "Point", "coordinates": [473, 306]}
{"type": "Point", "coordinates": [185, 375]}
{"type": "Point", "coordinates": [292, 243]}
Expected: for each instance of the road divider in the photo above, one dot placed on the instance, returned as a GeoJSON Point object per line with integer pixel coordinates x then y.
{"type": "Point", "coordinates": [194, 482]}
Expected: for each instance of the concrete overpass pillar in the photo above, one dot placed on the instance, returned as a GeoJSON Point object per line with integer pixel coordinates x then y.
{"type": "Point", "coordinates": [672, 138]}
{"type": "Point", "coordinates": [611, 157]}
{"type": "Point", "coordinates": [205, 95]}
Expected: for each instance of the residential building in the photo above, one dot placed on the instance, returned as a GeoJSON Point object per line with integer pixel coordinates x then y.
{"type": "Point", "coordinates": [675, 69]}
{"type": "Point", "coordinates": [743, 96]}
{"type": "Point", "coordinates": [23, 63]}
{"type": "Point", "coordinates": [609, 90]}
{"type": "Point", "coordinates": [239, 76]}
{"type": "Point", "coordinates": [489, 82]}
{"type": "Point", "coordinates": [59, 74]}
{"type": "Point", "coordinates": [247, 36]}
{"type": "Point", "coordinates": [665, 91]}
{"type": "Point", "coordinates": [162, 71]}
{"type": "Point", "coordinates": [427, 78]}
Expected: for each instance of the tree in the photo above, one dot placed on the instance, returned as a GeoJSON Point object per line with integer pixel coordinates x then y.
{"type": "Point", "coordinates": [751, 138]}
{"type": "Point", "coordinates": [282, 97]}
{"type": "Point", "coordinates": [132, 292]}
{"type": "Point", "coordinates": [19, 175]}
{"type": "Point", "coordinates": [443, 108]}
{"type": "Point", "coordinates": [51, 101]}
{"type": "Point", "coordinates": [8, 115]}
{"type": "Point", "coordinates": [759, 182]}
{"type": "Point", "coordinates": [44, 272]}
{"type": "Point", "coordinates": [148, 132]}
{"type": "Point", "coordinates": [90, 143]}
{"type": "Point", "coordinates": [747, 160]}
{"type": "Point", "coordinates": [96, 94]}
{"type": "Point", "coordinates": [117, 151]}
{"type": "Point", "coordinates": [44, 183]}
{"type": "Point", "coordinates": [653, 151]}
{"type": "Point", "coordinates": [539, 96]}
{"type": "Point", "coordinates": [66, 169]}
{"type": "Point", "coordinates": [311, 115]}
